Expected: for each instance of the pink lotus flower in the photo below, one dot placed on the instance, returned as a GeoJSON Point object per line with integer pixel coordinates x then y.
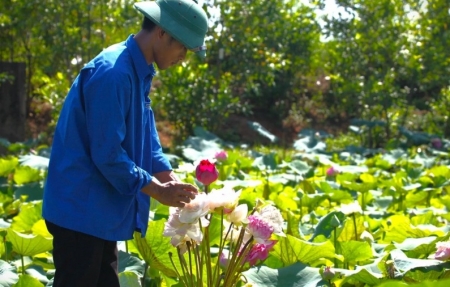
{"type": "Point", "coordinates": [206, 172]}
{"type": "Point", "coordinates": [221, 155]}
{"type": "Point", "coordinates": [273, 217]}
{"type": "Point", "coordinates": [328, 274]}
{"type": "Point", "coordinates": [332, 171]}
{"type": "Point", "coordinates": [224, 259]}
{"type": "Point", "coordinates": [443, 250]}
{"type": "Point", "coordinates": [259, 229]}
{"type": "Point", "coordinates": [436, 143]}
{"type": "Point", "coordinates": [259, 251]}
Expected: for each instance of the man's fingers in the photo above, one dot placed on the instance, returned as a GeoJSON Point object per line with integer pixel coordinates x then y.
{"type": "Point", "coordinates": [186, 198]}
{"type": "Point", "coordinates": [178, 204]}
{"type": "Point", "coordinates": [189, 187]}
{"type": "Point", "coordinates": [187, 193]}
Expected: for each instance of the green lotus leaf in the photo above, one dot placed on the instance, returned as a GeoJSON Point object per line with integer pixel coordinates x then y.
{"type": "Point", "coordinates": [313, 200]}
{"type": "Point", "coordinates": [262, 131]}
{"type": "Point", "coordinates": [394, 155]}
{"type": "Point", "coordinates": [404, 264]}
{"type": "Point", "coordinates": [298, 166]}
{"type": "Point", "coordinates": [297, 274]}
{"type": "Point", "coordinates": [398, 228]}
{"type": "Point", "coordinates": [7, 165]}
{"type": "Point", "coordinates": [8, 274]}
{"type": "Point", "coordinates": [32, 191]}
{"type": "Point", "coordinates": [285, 201]}
{"type": "Point", "coordinates": [267, 161]}
{"type": "Point", "coordinates": [129, 279]}
{"type": "Point", "coordinates": [37, 272]}
{"type": "Point", "coordinates": [359, 187]}
{"type": "Point", "coordinates": [355, 251]}
{"type": "Point", "coordinates": [155, 248]}
{"type": "Point", "coordinates": [327, 224]}
{"type": "Point", "coordinates": [433, 283]}
{"type": "Point", "coordinates": [293, 223]}
{"type": "Point", "coordinates": [29, 244]}
{"type": "Point", "coordinates": [362, 274]}
{"type": "Point", "coordinates": [39, 228]}
{"type": "Point", "coordinates": [34, 161]}
{"type": "Point", "coordinates": [131, 263]}
{"type": "Point", "coordinates": [347, 232]}
{"type": "Point", "coordinates": [29, 215]}
{"type": "Point", "coordinates": [195, 148]}
{"type": "Point", "coordinates": [410, 244]}
{"type": "Point", "coordinates": [26, 174]}
{"type": "Point", "coordinates": [28, 281]}
{"type": "Point", "coordinates": [291, 250]}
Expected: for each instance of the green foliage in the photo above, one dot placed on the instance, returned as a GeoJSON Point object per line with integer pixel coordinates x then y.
{"type": "Point", "coordinates": [191, 96]}
{"type": "Point", "coordinates": [380, 60]}
{"type": "Point", "coordinates": [401, 200]}
{"type": "Point", "coordinates": [385, 61]}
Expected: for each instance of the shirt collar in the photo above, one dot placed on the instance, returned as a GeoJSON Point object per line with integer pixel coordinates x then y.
{"type": "Point", "coordinates": [143, 70]}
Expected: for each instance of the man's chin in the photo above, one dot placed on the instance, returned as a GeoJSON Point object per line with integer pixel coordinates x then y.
{"type": "Point", "coordinates": [164, 67]}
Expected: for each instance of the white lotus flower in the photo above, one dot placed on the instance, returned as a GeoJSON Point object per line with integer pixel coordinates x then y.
{"type": "Point", "coordinates": [351, 208]}
{"type": "Point", "coordinates": [231, 234]}
{"type": "Point", "coordinates": [180, 231]}
{"type": "Point", "coordinates": [173, 225]}
{"type": "Point", "coordinates": [225, 198]}
{"type": "Point", "coordinates": [196, 209]}
{"type": "Point", "coordinates": [185, 168]}
{"type": "Point", "coordinates": [238, 215]}
{"type": "Point", "coordinates": [180, 242]}
{"type": "Point", "coordinates": [366, 236]}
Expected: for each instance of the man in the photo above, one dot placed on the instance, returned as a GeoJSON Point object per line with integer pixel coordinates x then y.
{"type": "Point", "coordinates": [106, 159]}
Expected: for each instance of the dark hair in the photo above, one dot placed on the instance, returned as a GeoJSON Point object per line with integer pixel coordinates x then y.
{"type": "Point", "coordinates": [148, 24]}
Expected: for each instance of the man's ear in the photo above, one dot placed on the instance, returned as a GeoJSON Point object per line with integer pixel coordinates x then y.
{"type": "Point", "coordinates": [160, 32]}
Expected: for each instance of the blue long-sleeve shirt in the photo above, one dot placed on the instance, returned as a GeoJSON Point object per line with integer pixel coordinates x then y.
{"type": "Point", "coordinates": [105, 148]}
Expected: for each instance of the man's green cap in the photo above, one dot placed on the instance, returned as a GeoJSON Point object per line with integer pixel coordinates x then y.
{"type": "Point", "coordinates": [184, 20]}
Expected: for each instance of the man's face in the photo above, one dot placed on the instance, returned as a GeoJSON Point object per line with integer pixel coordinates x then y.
{"type": "Point", "coordinates": [170, 52]}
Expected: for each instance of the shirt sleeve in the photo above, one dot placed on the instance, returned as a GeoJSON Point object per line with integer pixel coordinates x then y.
{"type": "Point", "coordinates": [159, 160]}
{"type": "Point", "coordinates": [107, 97]}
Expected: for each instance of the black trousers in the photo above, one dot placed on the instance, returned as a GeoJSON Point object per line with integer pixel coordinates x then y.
{"type": "Point", "coordinates": [82, 260]}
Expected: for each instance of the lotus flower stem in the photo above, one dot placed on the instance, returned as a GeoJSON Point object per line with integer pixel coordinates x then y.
{"type": "Point", "coordinates": [189, 245]}
{"type": "Point", "coordinates": [184, 266]}
{"type": "Point", "coordinates": [301, 209]}
{"type": "Point", "coordinates": [199, 264]}
{"type": "Point", "coordinates": [229, 275]}
{"type": "Point", "coordinates": [146, 268]}
{"type": "Point", "coordinates": [176, 270]}
{"type": "Point", "coordinates": [363, 201]}
{"type": "Point", "coordinates": [232, 263]}
{"type": "Point", "coordinates": [221, 245]}
{"type": "Point", "coordinates": [208, 257]}
{"type": "Point", "coordinates": [23, 265]}
{"type": "Point", "coordinates": [354, 225]}
{"type": "Point", "coordinates": [335, 246]}
{"type": "Point", "coordinates": [240, 265]}
{"type": "Point", "coordinates": [429, 199]}
{"type": "Point", "coordinates": [400, 204]}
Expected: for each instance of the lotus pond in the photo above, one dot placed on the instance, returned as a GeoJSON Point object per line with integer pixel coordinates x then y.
{"type": "Point", "coordinates": [352, 217]}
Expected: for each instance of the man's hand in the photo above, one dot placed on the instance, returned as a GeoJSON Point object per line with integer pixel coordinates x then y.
{"type": "Point", "coordinates": [171, 193]}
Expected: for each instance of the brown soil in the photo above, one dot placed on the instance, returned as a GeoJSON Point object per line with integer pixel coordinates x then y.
{"type": "Point", "coordinates": [234, 129]}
